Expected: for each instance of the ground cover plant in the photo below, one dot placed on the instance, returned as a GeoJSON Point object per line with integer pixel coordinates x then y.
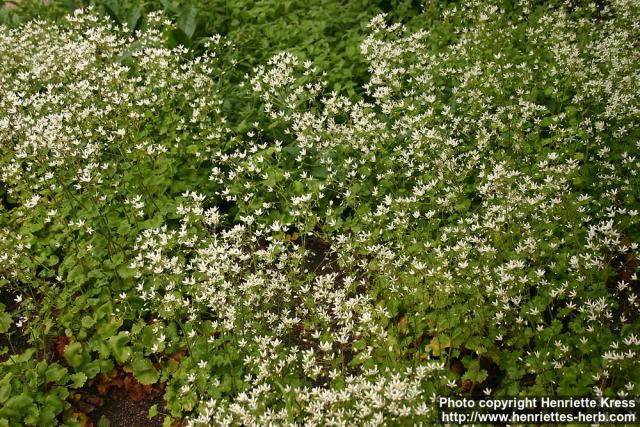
{"type": "Point", "coordinates": [250, 235]}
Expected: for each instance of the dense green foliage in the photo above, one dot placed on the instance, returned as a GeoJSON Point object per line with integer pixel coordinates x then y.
{"type": "Point", "coordinates": [327, 31]}
{"type": "Point", "coordinates": [330, 216]}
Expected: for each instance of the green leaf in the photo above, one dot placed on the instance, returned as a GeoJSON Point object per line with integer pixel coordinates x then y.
{"type": "Point", "coordinates": [5, 322]}
{"type": "Point", "coordinates": [20, 401]}
{"type": "Point", "coordinates": [439, 343]}
{"type": "Point", "coordinates": [168, 5]}
{"type": "Point", "coordinates": [56, 374]}
{"type": "Point", "coordinates": [48, 413]}
{"type": "Point", "coordinates": [319, 172]}
{"type": "Point", "coordinates": [92, 368]}
{"type": "Point", "coordinates": [79, 378]}
{"type": "Point", "coordinates": [293, 151]}
{"type": "Point", "coordinates": [77, 275]}
{"type": "Point", "coordinates": [133, 19]}
{"type": "Point", "coordinates": [113, 10]}
{"type": "Point", "coordinates": [41, 368]}
{"type": "Point", "coordinates": [187, 21]}
{"type": "Point", "coordinates": [125, 272]}
{"type": "Point", "coordinates": [87, 321]}
{"type": "Point", "coordinates": [74, 355]}
{"type": "Point", "coordinates": [25, 356]}
{"type": "Point", "coordinates": [144, 371]}
{"type": "Point", "coordinates": [104, 310]}
{"type": "Point", "coordinates": [298, 187]}
{"type": "Point", "coordinates": [153, 411]}
{"type": "Point", "coordinates": [475, 343]}
{"type": "Point", "coordinates": [5, 392]}
{"type": "Point", "coordinates": [105, 366]}
{"type": "Point", "coordinates": [176, 37]}
{"type": "Point", "coordinates": [104, 422]}
{"type": "Point", "coordinates": [242, 127]}
{"type": "Point", "coordinates": [474, 373]}
{"type": "Point", "coordinates": [108, 329]}
{"type": "Point", "coordinates": [119, 348]}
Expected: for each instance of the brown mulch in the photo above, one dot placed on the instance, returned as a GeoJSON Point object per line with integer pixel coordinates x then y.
{"type": "Point", "coordinates": [118, 398]}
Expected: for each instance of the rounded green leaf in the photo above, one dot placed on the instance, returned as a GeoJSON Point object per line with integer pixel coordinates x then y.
{"type": "Point", "coordinates": [20, 401]}
{"type": "Point", "coordinates": [119, 348]}
{"type": "Point", "coordinates": [144, 371]}
{"type": "Point", "coordinates": [73, 355]}
{"type": "Point", "coordinates": [56, 373]}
